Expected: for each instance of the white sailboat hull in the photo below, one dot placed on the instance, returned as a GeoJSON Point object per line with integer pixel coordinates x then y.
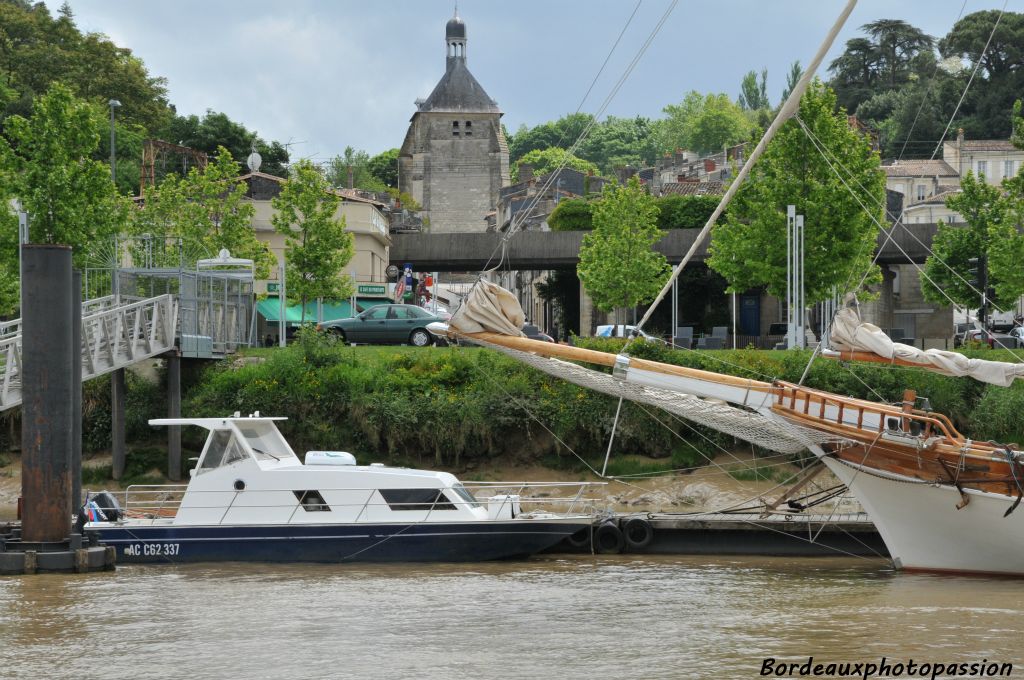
{"type": "Point", "coordinates": [924, 531]}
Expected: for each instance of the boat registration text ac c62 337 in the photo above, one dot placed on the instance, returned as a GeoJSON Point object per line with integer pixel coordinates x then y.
{"type": "Point", "coordinates": [152, 549]}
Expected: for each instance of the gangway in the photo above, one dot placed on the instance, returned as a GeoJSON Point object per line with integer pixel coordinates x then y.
{"type": "Point", "coordinates": [113, 337]}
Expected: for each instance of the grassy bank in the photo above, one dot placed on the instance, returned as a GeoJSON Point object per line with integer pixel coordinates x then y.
{"type": "Point", "coordinates": [467, 407]}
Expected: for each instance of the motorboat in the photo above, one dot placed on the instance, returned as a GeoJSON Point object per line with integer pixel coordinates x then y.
{"type": "Point", "coordinates": [250, 498]}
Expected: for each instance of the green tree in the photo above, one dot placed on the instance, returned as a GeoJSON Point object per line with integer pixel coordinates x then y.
{"type": "Point", "coordinates": [548, 160]}
{"type": "Point", "coordinates": [215, 130]}
{"type": "Point", "coordinates": [685, 212]}
{"type": "Point", "coordinates": [754, 96]}
{"type": "Point", "coordinates": [1006, 243]}
{"type": "Point", "coordinates": [994, 220]}
{"type": "Point", "coordinates": [38, 49]}
{"type": "Point", "coordinates": [207, 207]}
{"type": "Point", "coordinates": [704, 123]}
{"type": "Point", "coordinates": [1017, 123]}
{"type": "Point", "coordinates": [618, 266]}
{"type": "Point", "coordinates": [69, 197]}
{"type": "Point", "coordinates": [384, 167]}
{"type": "Point", "coordinates": [356, 163]}
{"type": "Point", "coordinates": [572, 214]}
{"type": "Point", "coordinates": [317, 245]}
{"type": "Point", "coordinates": [792, 78]}
{"type": "Point", "coordinates": [749, 250]}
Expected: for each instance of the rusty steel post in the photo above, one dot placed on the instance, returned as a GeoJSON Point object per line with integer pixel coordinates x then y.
{"type": "Point", "coordinates": [76, 390]}
{"type": "Point", "coordinates": [117, 424]}
{"type": "Point", "coordinates": [174, 411]}
{"type": "Point", "coordinates": [47, 394]}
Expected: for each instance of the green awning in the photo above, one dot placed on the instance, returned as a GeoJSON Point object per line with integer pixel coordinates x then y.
{"type": "Point", "coordinates": [270, 309]}
{"type": "Point", "coordinates": [364, 303]}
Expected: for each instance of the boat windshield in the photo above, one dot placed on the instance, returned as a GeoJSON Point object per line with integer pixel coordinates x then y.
{"type": "Point", "coordinates": [265, 440]}
{"type": "Point", "coordinates": [223, 450]}
{"type": "Point", "coordinates": [465, 496]}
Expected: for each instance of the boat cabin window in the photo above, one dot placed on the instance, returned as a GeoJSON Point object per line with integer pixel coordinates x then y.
{"type": "Point", "coordinates": [466, 497]}
{"type": "Point", "coordinates": [223, 450]}
{"type": "Point", "coordinates": [416, 499]}
{"type": "Point", "coordinates": [265, 441]}
{"type": "Point", "coordinates": [312, 501]}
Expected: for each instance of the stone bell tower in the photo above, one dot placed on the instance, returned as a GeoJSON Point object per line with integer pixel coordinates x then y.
{"type": "Point", "coordinates": [454, 159]}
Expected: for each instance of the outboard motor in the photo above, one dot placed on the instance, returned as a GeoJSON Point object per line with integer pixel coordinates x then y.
{"type": "Point", "coordinates": [99, 507]}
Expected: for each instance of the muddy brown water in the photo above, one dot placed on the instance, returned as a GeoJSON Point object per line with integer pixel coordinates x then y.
{"type": "Point", "coordinates": [548, 617]}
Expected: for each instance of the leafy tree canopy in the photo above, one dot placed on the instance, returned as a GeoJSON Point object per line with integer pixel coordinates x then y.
{"type": "Point", "coordinates": [317, 245]}
{"type": "Point", "coordinates": [208, 208]}
{"type": "Point", "coordinates": [572, 214]}
{"type": "Point", "coordinates": [384, 166]}
{"type": "Point", "coordinates": [685, 212]}
{"type": "Point", "coordinates": [38, 49]}
{"type": "Point", "coordinates": [609, 144]}
{"type": "Point", "coordinates": [548, 160]}
{"type": "Point", "coordinates": [704, 123]}
{"type": "Point", "coordinates": [749, 250]}
{"type": "Point", "coordinates": [215, 130]}
{"type": "Point", "coordinates": [754, 96]}
{"type": "Point", "coordinates": [358, 164]}
{"type": "Point", "coordinates": [618, 265]}
{"type": "Point", "coordinates": [69, 197]}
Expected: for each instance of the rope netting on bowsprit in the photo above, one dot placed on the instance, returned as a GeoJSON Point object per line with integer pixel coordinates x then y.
{"type": "Point", "coordinates": [740, 423]}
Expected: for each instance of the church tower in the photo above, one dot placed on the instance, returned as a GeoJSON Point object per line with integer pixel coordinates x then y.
{"type": "Point", "coordinates": [454, 159]}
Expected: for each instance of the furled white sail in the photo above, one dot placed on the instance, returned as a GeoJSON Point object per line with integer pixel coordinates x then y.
{"type": "Point", "coordinates": [850, 333]}
{"type": "Point", "coordinates": [489, 307]}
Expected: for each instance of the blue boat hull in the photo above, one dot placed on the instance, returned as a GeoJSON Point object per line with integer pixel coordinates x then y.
{"type": "Point", "coordinates": [433, 542]}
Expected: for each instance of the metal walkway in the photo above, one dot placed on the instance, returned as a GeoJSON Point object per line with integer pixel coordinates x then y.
{"type": "Point", "coordinates": [113, 337]}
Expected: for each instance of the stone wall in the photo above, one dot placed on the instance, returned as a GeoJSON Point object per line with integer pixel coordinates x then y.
{"type": "Point", "coordinates": [455, 173]}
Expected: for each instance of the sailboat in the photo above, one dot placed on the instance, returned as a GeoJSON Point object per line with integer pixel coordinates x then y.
{"type": "Point", "coordinates": [940, 501]}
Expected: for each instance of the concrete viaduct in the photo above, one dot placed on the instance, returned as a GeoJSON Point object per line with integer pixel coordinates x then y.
{"type": "Point", "coordinates": [538, 250]}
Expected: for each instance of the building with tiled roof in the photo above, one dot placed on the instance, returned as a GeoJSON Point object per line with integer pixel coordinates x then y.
{"type": "Point", "coordinates": [996, 159]}
{"type": "Point", "coordinates": [698, 188]}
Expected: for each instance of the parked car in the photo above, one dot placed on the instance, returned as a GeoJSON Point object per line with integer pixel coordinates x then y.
{"type": "Point", "coordinates": [1011, 340]}
{"type": "Point", "coordinates": [620, 331]}
{"type": "Point", "coordinates": [386, 324]}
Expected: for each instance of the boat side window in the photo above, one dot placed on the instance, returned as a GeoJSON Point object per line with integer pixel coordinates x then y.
{"type": "Point", "coordinates": [312, 501]}
{"type": "Point", "coordinates": [416, 499]}
{"type": "Point", "coordinates": [466, 497]}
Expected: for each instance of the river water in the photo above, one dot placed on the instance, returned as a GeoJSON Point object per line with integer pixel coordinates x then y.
{"type": "Point", "coordinates": [547, 617]}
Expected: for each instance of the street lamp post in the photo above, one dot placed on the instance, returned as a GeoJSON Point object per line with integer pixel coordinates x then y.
{"type": "Point", "coordinates": [113, 103]}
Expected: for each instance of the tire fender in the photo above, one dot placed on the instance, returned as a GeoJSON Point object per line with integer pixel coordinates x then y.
{"type": "Point", "coordinates": [608, 539]}
{"type": "Point", "coordinates": [638, 533]}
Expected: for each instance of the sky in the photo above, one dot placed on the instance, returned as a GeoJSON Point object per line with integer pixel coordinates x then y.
{"type": "Point", "coordinates": [321, 75]}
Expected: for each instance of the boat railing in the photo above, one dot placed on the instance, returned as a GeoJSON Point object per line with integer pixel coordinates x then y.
{"type": "Point", "coordinates": [538, 492]}
{"type": "Point", "coordinates": [849, 412]}
{"type": "Point", "coordinates": [152, 501]}
{"type": "Point", "coordinates": [161, 502]}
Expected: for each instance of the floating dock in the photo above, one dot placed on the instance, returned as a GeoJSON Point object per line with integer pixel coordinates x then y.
{"type": "Point", "coordinates": [779, 534]}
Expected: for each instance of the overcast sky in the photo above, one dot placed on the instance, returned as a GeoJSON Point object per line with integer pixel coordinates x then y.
{"type": "Point", "coordinates": [326, 74]}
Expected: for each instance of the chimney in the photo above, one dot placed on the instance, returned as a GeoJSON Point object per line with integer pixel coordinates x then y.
{"type": "Point", "coordinates": [709, 165]}
{"type": "Point", "coordinates": [525, 172]}
{"type": "Point", "coordinates": [959, 137]}
{"type": "Point", "coordinates": [351, 178]}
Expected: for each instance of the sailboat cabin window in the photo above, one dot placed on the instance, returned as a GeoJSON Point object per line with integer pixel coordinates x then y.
{"type": "Point", "coordinates": [223, 450]}
{"type": "Point", "coordinates": [416, 499]}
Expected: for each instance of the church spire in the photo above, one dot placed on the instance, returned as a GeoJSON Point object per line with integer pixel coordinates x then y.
{"type": "Point", "coordinates": [455, 40]}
